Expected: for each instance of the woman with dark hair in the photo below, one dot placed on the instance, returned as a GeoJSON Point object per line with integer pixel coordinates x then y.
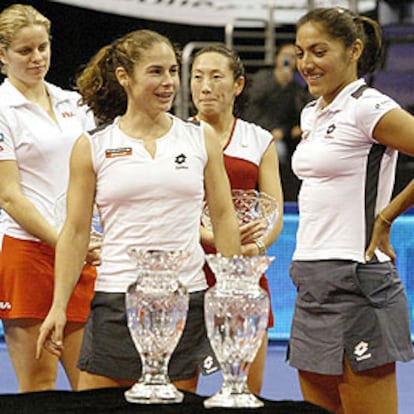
{"type": "Point", "coordinates": [148, 173]}
{"type": "Point", "coordinates": [351, 322]}
{"type": "Point", "coordinates": [250, 156]}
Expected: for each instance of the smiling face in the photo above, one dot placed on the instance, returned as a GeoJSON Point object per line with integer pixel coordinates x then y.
{"type": "Point", "coordinates": [213, 86]}
{"type": "Point", "coordinates": [324, 62]}
{"type": "Point", "coordinates": [27, 58]}
{"type": "Point", "coordinates": [155, 79]}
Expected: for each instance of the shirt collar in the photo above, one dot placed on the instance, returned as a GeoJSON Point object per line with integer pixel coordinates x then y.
{"type": "Point", "coordinates": [16, 98]}
{"type": "Point", "coordinates": [339, 100]}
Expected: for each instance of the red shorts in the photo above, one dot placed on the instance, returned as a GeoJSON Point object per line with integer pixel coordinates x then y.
{"type": "Point", "coordinates": [26, 282]}
{"type": "Point", "coordinates": [211, 281]}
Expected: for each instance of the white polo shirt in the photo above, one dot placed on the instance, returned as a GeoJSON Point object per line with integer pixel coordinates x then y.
{"type": "Point", "coordinates": [347, 177]}
{"type": "Point", "coordinates": [40, 146]}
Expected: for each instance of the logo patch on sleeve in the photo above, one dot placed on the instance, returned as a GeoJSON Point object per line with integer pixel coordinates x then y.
{"type": "Point", "coordinates": [118, 152]}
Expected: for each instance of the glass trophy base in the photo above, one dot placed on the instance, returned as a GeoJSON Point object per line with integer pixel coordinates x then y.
{"type": "Point", "coordinates": [141, 393]}
{"type": "Point", "coordinates": [233, 400]}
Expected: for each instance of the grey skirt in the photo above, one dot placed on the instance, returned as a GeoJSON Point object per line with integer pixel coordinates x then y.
{"type": "Point", "coordinates": [348, 307]}
{"type": "Point", "coordinates": [108, 349]}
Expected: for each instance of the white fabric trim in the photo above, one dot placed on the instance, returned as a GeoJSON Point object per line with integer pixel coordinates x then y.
{"type": "Point", "coordinates": [211, 12]}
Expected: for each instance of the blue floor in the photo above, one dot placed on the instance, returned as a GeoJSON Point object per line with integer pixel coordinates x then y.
{"type": "Point", "coordinates": [280, 382]}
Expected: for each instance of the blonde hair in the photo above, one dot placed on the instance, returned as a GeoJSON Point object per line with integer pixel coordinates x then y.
{"type": "Point", "coordinates": [15, 18]}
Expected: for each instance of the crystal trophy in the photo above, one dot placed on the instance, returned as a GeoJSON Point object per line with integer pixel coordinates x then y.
{"type": "Point", "coordinates": [236, 307]}
{"type": "Point", "coordinates": [250, 205]}
{"type": "Point", "coordinates": [156, 307]}
{"type": "Point", "coordinates": [236, 315]}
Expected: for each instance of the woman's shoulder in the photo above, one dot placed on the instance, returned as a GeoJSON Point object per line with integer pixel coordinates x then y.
{"type": "Point", "coordinates": [10, 96]}
{"type": "Point", "coordinates": [368, 100]}
{"type": "Point", "coordinates": [65, 96]}
{"type": "Point", "coordinates": [101, 130]}
{"type": "Point", "coordinates": [250, 128]}
{"type": "Point", "coordinates": [187, 127]}
{"type": "Point", "coordinates": [360, 93]}
{"type": "Point", "coordinates": [190, 123]}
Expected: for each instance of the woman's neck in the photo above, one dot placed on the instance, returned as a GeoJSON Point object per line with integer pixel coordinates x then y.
{"type": "Point", "coordinates": [36, 92]}
{"type": "Point", "coordinates": [145, 127]}
{"type": "Point", "coordinates": [222, 125]}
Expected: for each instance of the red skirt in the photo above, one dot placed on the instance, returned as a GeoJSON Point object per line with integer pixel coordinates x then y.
{"type": "Point", "coordinates": [26, 282]}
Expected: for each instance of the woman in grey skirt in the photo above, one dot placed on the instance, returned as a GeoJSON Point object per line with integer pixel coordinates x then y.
{"type": "Point", "coordinates": [148, 172]}
{"type": "Point", "coordinates": [350, 323]}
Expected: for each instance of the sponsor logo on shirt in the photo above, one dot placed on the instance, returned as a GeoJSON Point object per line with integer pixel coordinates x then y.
{"type": "Point", "coordinates": [118, 152]}
{"type": "Point", "coordinates": [67, 114]}
{"type": "Point", "coordinates": [5, 305]}
{"type": "Point", "coordinates": [1, 137]}
{"type": "Point", "coordinates": [331, 128]}
{"type": "Point", "coordinates": [380, 104]}
{"type": "Point", "coordinates": [180, 162]}
{"type": "Point", "coordinates": [361, 351]}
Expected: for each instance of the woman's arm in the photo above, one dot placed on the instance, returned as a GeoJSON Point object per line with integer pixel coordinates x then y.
{"type": "Point", "coordinates": [20, 208]}
{"type": "Point", "coordinates": [381, 232]}
{"type": "Point", "coordinates": [269, 183]}
{"type": "Point", "coordinates": [218, 195]}
{"type": "Point", "coordinates": [396, 130]}
{"type": "Point", "coordinates": [72, 244]}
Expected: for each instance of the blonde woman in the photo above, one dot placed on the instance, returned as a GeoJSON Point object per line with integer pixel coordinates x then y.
{"type": "Point", "coordinates": [39, 123]}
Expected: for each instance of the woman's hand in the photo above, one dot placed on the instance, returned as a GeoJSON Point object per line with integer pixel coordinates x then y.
{"type": "Point", "coordinates": [250, 249]}
{"type": "Point", "coordinates": [93, 257]}
{"type": "Point", "coordinates": [51, 333]}
{"type": "Point", "coordinates": [207, 236]}
{"type": "Point", "coordinates": [380, 239]}
{"type": "Point", "coordinates": [251, 231]}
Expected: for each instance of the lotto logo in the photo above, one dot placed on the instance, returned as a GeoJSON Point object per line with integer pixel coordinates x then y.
{"type": "Point", "coordinates": [361, 351]}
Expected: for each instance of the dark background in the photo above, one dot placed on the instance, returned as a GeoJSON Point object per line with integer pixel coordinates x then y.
{"type": "Point", "coordinates": [77, 34]}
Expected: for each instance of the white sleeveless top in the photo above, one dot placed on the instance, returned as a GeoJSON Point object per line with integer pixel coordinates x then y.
{"type": "Point", "coordinates": [149, 203]}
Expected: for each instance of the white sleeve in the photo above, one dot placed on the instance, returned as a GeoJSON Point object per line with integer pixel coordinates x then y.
{"type": "Point", "coordinates": [7, 142]}
{"type": "Point", "coordinates": [370, 108]}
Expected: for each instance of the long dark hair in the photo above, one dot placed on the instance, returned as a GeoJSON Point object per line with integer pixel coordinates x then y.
{"type": "Point", "coordinates": [344, 25]}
